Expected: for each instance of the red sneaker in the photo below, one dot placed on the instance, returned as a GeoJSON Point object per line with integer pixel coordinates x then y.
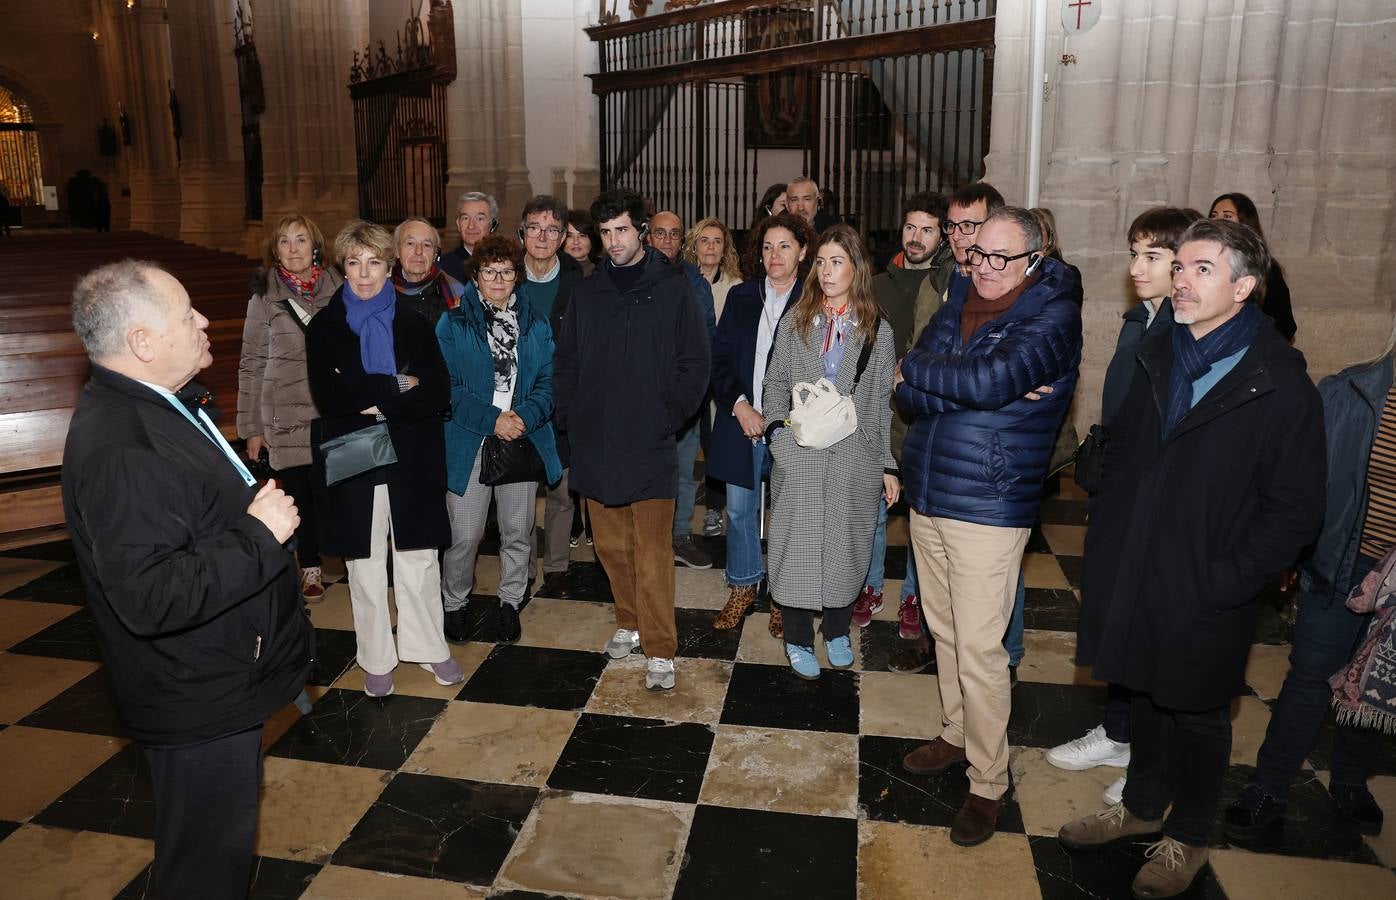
{"type": "Point", "coordinates": [910, 616]}
{"type": "Point", "coordinates": [867, 605]}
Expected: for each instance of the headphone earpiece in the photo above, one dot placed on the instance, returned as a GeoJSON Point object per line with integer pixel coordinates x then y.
{"type": "Point", "coordinates": [521, 234]}
{"type": "Point", "coordinates": [643, 230]}
{"type": "Point", "coordinates": [494, 225]}
{"type": "Point", "coordinates": [315, 256]}
{"type": "Point", "coordinates": [1033, 262]}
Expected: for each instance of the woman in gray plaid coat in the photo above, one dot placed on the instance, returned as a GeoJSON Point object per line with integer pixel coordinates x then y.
{"type": "Point", "coordinates": [825, 502]}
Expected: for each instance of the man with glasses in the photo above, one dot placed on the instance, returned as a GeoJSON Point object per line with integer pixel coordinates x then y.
{"type": "Point", "coordinates": [666, 235]}
{"type": "Point", "coordinates": [477, 215]}
{"type": "Point", "coordinates": [988, 383]}
{"type": "Point", "coordinates": [551, 276]}
{"type": "Point", "coordinates": [968, 208]}
{"type": "Point", "coordinates": [804, 199]}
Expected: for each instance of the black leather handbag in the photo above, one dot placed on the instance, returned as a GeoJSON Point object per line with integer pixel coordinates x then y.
{"type": "Point", "coordinates": [357, 452]}
{"type": "Point", "coordinates": [509, 462]}
{"type": "Point", "coordinates": [1090, 459]}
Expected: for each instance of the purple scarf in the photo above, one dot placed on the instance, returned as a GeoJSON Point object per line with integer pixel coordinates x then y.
{"type": "Point", "coordinates": [372, 320]}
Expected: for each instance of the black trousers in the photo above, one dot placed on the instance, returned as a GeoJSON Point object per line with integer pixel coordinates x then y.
{"type": "Point", "coordinates": [297, 482]}
{"type": "Point", "coordinates": [1177, 758]}
{"type": "Point", "coordinates": [799, 624]}
{"type": "Point", "coordinates": [1116, 718]}
{"type": "Point", "coordinates": [206, 816]}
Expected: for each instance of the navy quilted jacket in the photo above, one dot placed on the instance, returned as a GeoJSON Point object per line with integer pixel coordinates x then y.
{"type": "Point", "coordinates": [978, 450]}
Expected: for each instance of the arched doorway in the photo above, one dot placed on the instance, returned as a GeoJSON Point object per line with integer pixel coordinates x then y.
{"type": "Point", "coordinates": [21, 169]}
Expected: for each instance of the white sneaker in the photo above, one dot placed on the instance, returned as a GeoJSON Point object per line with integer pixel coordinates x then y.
{"type": "Point", "coordinates": [1115, 792]}
{"type": "Point", "coordinates": [659, 674]}
{"type": "Point", "coordinates": [623, 643]}
{"type": "Point", "coordinates": [1088, 751]}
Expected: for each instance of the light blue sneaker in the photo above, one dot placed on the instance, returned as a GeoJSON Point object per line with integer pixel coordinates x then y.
{"type": "Point", "coordinates": [840, 651]}
{"type": "Point", "coordinates": [802, 661]}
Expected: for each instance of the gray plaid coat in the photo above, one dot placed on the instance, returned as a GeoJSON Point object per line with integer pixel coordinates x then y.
{"type": "Point", "coordinates": [825, 502]}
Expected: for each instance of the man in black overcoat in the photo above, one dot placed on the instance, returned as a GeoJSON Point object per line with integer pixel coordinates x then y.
{"type": "Point", "coordinates": [1213, 483]}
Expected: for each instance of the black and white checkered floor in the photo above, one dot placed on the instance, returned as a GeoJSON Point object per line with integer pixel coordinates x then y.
{"type": "Point", "coordinates": [552, 772]}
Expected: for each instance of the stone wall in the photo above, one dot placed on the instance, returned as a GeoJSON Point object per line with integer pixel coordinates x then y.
{"type": "Point", "coordinates": [1292, 102]}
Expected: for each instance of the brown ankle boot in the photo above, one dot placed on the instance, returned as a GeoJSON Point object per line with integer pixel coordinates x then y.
{"type": "Point", "coordinates": [777, 626]}
{"type": "Point", "coordinates": [740, 597]}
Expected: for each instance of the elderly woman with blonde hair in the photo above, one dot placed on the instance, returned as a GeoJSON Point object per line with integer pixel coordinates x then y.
{"type": "Point", "coordinates": [372, 360]}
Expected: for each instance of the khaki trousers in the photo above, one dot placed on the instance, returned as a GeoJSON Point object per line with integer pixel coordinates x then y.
{"type": "Point", "coordinates": [968, 575]}
{"type": "Point", "coordinates": [634, 545]}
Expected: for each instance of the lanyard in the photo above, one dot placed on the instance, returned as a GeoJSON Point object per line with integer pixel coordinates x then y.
{"type": "Point", "coordinates": [205, 426]}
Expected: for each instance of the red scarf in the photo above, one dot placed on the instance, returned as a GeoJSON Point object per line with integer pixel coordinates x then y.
{"type": "Point", "coordinates": [831, 326]}
{"type": "Point", "coordinates": [304, 287]}
{"type": "Point", "coordinates": [443, 286]}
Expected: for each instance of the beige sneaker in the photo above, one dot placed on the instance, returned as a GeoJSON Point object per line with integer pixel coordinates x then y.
{"type": "Point", "coordinates": [1171, 869]}
{"type": "Point", "coordinates": [1112, 825]}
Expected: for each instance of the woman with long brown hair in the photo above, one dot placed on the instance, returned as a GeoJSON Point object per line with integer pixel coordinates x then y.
{"type": "Point", "coordinates": [825, 501]}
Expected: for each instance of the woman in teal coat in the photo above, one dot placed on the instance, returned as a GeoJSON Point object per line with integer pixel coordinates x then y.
{"type": "Point", "coordinates": [500, 356]}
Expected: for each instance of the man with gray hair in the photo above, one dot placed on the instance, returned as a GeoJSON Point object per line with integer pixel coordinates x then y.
{"type": "Point", "coordinates": [477, 215]}
{"type": "Point", "coordinates": [420, 279]}
{"type": "Point", "coordinates": [194, 597]}
{"type": "Point", "coordinates": [986, 385]}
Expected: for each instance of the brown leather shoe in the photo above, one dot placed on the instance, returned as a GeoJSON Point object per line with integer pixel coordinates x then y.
{"type": "Point", "coordinates": [1171, 869]}
{"type": "Point", "coordinates": [555, 584]}
{"type": "Point", "coordinates": [933, 758]}
{"type": "Point", "coordinates": [777, 625]}
{"type": "Point", "coordinates": [976, 821]}
{"type": "Point", "coordinates": [740, 597]}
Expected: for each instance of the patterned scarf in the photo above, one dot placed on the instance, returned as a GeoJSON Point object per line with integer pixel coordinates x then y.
{"type": "Point", "coordinates": [304, 287]}
{"type": "Point", "coordinates": [371, 318]}
{"type": "Point", "coordinates": [502, 332]}
{"type": "Point", "coordinates": [1364, 691]}
{"type": "Point", "coordinates": [1192, 358]}
{"type": "Point", "coordinates": [434, 277]}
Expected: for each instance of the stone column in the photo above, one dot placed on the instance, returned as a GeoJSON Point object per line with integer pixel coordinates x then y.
{"type": "Point", "coordinates": [212, 208]}
{"type": "Point", "coordinates": [154, 169]}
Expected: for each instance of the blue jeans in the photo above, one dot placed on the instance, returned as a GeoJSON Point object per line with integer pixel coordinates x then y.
{"type": "Point", "coordinates": [877, 566]}
{"type": "Point", "coordinates": [685, 486]}
{"type": "Point", "coordinates": [1324, 640]}
{"type": "Point", "coordinates": [744, 563]}
{"type": "Point", "coordinates": [1013, 637]}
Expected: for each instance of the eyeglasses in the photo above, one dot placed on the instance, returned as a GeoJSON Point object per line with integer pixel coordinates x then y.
{"type": "Point", "coordinates": [672, 234]}
{"type": "Point", "coordinates": [968, 226]}
{"type": "Point", "coordinates": [997, 261]}
{"type": "Point", "coordinates": [552, 231]}
{"type": "Point", "coordinates": [497, 274]}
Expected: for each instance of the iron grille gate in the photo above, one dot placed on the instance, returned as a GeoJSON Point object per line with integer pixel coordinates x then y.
{"type": "Point", "coordinates": [702, 108]}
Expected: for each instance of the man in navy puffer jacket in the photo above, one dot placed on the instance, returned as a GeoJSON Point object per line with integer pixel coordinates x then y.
{"type": "Point", "coordinates": [988, 384]}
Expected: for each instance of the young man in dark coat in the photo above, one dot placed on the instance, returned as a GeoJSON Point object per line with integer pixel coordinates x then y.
{"type": "Point", "coordinates": [1213, 483]}
{"type": "Point", "coordinates": [631, 367]}
{"type": "Point", "coordinates": [195, 600]}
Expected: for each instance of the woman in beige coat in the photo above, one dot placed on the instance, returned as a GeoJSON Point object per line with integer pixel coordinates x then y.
{"type": "Point", "coordinates": [274, 403]}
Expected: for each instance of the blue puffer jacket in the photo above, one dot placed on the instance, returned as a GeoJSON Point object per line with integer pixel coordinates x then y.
{"type": "Point", "coordinates": [978, 449]}
{"type": "Point", "coordinates": [461, 332]}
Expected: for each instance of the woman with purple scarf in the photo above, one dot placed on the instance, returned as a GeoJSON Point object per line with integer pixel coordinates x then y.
{"type": "Point", "coordinates": [372, 359]}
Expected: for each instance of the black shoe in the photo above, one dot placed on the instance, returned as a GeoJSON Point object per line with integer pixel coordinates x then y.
{"type": "Point", "coordinates": [1358, 806]}
{"type": "Point", "coordinates": [1252, 813]}
{"type": "Point", "coordinates": [555, 584]}
{"type": "Point", "coordinates": [919, 657]}
{"type": "Point", "coordinates": [690, 554]}
{"type": "Point", "coordinates": [457, 628]}
{"type": "Point", "coordinates": [507, 630]}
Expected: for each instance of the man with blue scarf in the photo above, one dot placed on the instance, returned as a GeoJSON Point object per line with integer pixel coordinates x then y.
{"type": "Point", "coordinates": [1213, 483]}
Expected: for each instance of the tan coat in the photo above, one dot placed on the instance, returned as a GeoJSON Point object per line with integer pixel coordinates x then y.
{"type": "Point", "coordinates": [274, 400]}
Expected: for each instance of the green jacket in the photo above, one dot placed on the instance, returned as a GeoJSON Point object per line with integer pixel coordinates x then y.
{"type": "Point", "coordinates": [909, 298]}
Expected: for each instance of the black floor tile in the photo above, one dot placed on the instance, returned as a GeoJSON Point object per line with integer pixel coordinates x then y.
{"type": "Point", "coordinates": [114, 798]}
{"type": "Point", "coordinates": [744, 853]}
{"type": "Point", "coordinates": [524, 895]}
{"type": "Point", "coordinates": [698, 638]}
{"type": "Point", "coordinates": [773, 697]}
{"type": "Point", "coordinates": [84, 707]}
{"type": "Point", "coordinates": [8, 828]}
{"type": "Point", "coordinates": [62, 585]}
{"type": "Point", "coordinates": [1063, 512]}
{"type": "Point", "coordinates": [1045, 715]}
{"type": "Point", "coordinates": [878, 641]}
{"type": "Point", "coordinates": [434, 827]}
{"type": "Point", "coordinates": [629, 757]}
{"type": "Point", "coordinates": [335, 651]}
{"type": "Point", "coordinates": [74, 637]}
{"type": "Point", "coordinates": [889, 793]}
{"type": "Point", "coordinates": [139, 888]}
{"type": "Point", "coordinates": [54, 551]}
{"type": "Point", "coordinates": [1311, 827]}
{"type": "Point", "coordinates": [353, 729]}
{"type": "Point", "coordinates": [272, 879]}
{"type": "Point", "coordinates": [1066, 874]}
{"type": "Point", "coordinates": [589, 582]}
{"type": "Point", "coordinates": [535, 676]}
{"type": "Point", "coordinates": [1048, 609]}
{"type": "Point", "coordinates": [1071, 568]}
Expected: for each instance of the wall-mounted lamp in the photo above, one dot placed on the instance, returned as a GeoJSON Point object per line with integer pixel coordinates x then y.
{"type": "Point", "coordinates": [95, 35]}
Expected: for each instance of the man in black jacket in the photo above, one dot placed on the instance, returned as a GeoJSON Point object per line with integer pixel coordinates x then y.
{"type": "Point", "coordinates": [631, 367]}
{"type": "Point", "coordinates": [195, 600]}
{"type": "Point", "coordinates": [1212, 484]}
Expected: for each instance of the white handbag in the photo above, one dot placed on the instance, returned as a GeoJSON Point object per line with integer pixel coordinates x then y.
{"type": "Point", "coordinates": [820, 416]}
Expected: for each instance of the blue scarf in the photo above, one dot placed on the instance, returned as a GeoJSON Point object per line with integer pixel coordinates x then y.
{"type": "Point", "coordinates": [1192, 358]}
{"type": "Point", "coordinates": [372, 320]}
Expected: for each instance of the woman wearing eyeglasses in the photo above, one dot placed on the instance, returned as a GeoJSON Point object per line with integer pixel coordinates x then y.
{"type": "Point", "coordinates": [499, 351]}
